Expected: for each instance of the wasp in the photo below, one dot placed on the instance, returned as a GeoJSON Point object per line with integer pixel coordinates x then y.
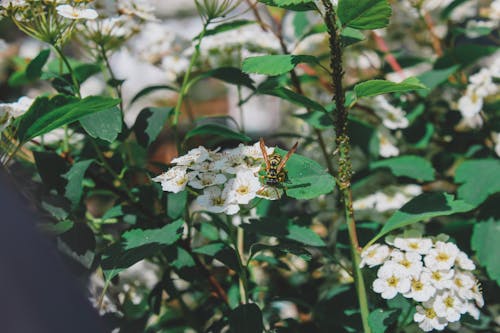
{"type": "Point", "coordinates": [275, 174]}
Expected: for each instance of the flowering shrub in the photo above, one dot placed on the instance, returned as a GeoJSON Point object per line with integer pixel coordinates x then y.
{"type": "Point", "coordinates": [130, 126]}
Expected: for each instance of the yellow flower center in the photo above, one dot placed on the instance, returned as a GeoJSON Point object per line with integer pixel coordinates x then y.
{"type": "Point", "coordinates": [417, 285]}
{"type": "Point", "coordinates": [414, 245]}
{"type": "Point", "coordinates": [218, 201]}
{"type": "Point", "coordinates": [405, 262]}
{"type": "Point", "coordinates": [392, 281]}
{"type": "Point", "coordinates": [442, 256]}
{"type": "Point", "coordinates": [449, 301]}
{"type": "Point", "coordinates": [181, 181]}
{"type": "Point", "coordinates": [243, 190]}
{"type": "Point", "coordinates": [430, 313]}
{"type": "Point", "coordinates": [459, 283]}
{"type": "Point", "coordinates": [436, 276]}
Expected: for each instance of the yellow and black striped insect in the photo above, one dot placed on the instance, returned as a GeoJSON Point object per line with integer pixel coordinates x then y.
{"type": "Point", "coordinates": [275, 173]}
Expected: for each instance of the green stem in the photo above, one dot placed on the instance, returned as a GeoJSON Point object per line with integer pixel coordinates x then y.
{"type": "Point", "coordinates": [70, 69]}
{"type": "Point", "coordinates": [344, 173]}
{"type": "Point", "coordinates": [185, 83]}
{"type": "Point", "coordinates": [112, 75]}
{"type": "Point", "coordinates": [240, 237]}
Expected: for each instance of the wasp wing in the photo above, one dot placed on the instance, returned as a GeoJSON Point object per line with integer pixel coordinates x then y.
{"type": "Point", "coordinates": [264, 153]}
{"type": "Point", "coordinates": [287, 156]}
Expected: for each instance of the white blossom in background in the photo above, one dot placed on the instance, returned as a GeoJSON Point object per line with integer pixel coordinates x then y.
{"type": "Point", "coordinates": [480, 86]}
{"type": "Point", "coordinates": [430, 270]}
{"type": "Point", "coordinates": [386, 145]}
{"type": "Point", "coordinates": [224, 180]}
{"type": "Point", "coordinates": [76, 13]}
{"type": "Point", "coordinates": [389, 199]}
{"type": "Point", "coordinates": [10, 111]}
{"type": "Point", "coordinates": [392, 117]}
{"type": "Point", "coordinates": [142, 9]}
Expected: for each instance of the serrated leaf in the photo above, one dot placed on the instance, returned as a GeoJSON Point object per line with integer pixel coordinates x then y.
{"type": "Point", "coordinates": [364, 14]}
{"type": "Point", "coordinates": [46, 114]}
{"type": "Point", "coordinates": [485, 242]}
{"type": "Point", "coordinates": [423, 207]}
{"type": "Point", "coordinates": [351, 36]}
{"type": "Point", "coordinates": [176, 204]}
{"type": "Point", "coordinates": [414, 167]}
{"type": "Point", "coordinates": [149, 90]}
{"type": "Point", "coordinates": [379, 87]}
{"type": "Point", "coordinates": [34, 68]}
{"type": "Point", "coordinates": [479, 179]}
{"type": "Point", "coordinates": [75, 175]}
{"type": "Point", "coordinates": [275, 64]}
{"type": "Point", "coordinates": [149, 124]}
{"type": "Point", "coordinates": [217, 130]}
{"type": "Point", "coordinates": [306, 178]}
{"type": "Point", "coordinates": [105, 125]}
{"type": "Point", "coordinates": [284, 229]}
{"type": "Point", "coordinates": [380, 319]}
{"type": "Point", "coordinates": [291, 5]}
{"type": "Point", "coordinates": [246, 318]}
{"type": "Point", "coordinates": [138, 244]}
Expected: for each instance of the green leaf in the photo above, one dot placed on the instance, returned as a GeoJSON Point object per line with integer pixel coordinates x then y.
{"type": "Point", "coordinates": [105, 125]}
{"type": "Point", "coordinates": [275, 64]}
{"type": "Point", "coordinates": [292, 97]}
{"type": "Point", "coordinates": [46, 114]}
{"type": "Point", "coordinates": [149, 124]}
{"type": "Point", "coordinates": [221, 252]}
{"type": "Point", "coordinates": [284, 229]}
{"type": "Point", "coordinates": [176, 204]}
{"type": "Point", "coordinates": [246, 318]}
{"type": "Point", "coordinates": [464, 55]}
{"type": "Point", "coordinates": [115, 211]}
{"type": "Point", "coordinates": [51, 166]}
{"type": "Point", "coordinates": [380, 319]}
{"type": "Point", "coordinates": [433, 78]}
{"type": "Point", "coordinates": [306, 178]}
{"type": "Point", "coordinates": [217, 130]}
{"type": "Point", "coordinates": [138, 244]}
{"type": "Point", "coordinates": [227, 26]}
{"type": "Point", "coordinates": [75, 175]}
{"type": "Point", "coordinates": [351, 36]}
{"type": "Point", "coordinates": [297, 5]}
{"type": "Point", "coordinates": [34, 68]}
{"type": "Point", "coordinates": [414, 167]}
{"type": "Point", "coordinates": [183, 259]}
{"type": "Point", "coordinates": [57, 228]}
{"type": "Point", "coordinates": [364, 14]}
{"type": "Point", "coordinates": [479, 179]}
{"type": "Point", "coordinates": [379, 87]}
{"type": "Point", "coordinates": [300, 23]}
{"type": "Point", "coordinates": [423, 207]}
{"type": "Point", "coordinates": [149, 90]}
{"type": "Point", "coordinates": [485, 242]}
{"type": "Point", "coordinates": [230, 75]}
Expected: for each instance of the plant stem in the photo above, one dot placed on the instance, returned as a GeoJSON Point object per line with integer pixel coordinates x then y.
{"type": "Point", "coordinates": [240, 237]}
{"type": "Point", "coordinates": [342, 140]}
{"type": "Point", "coordinates": [118, 88]}
{"type": "Point", "coordinates": [70, 69]}
{"type": "Point", "coordinates": [185, 83]}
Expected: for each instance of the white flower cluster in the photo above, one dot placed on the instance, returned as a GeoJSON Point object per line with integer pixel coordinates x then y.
{"type": "Point", "coordinates": [227, 179]}
{"type": "Point", "coordinates": [10, 111]}
{"type": "Point", "coordinates": [392, 117]}
{"type": "Point", "coordinates": [430, 271]}
{"type": "Point", "coordinates": [480, 86]}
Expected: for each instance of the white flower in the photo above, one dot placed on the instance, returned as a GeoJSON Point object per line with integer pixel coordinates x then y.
{"type": "Point", "coordinates": [140, 8]}
{"type": "Point", "coordinates": [494, 12]}
{"type": "Point", "coordinates": [110, 26]}
{"type": "Point", "coordinates": [477, 295]}
{"type": "Point", "coordinates": [194, 156]}
{"type": "Point", "coordinates": [411, 263]}
{"type": "Point", "coordinates": [482, 83]}
{"type": "Point", "coordinates": [232, 160]}
{"type": "Point", "coordinates": [448, 305]}
{"type": "Point", "coordinates": [174, 66]}
{"type": "Point", "coordinates": [386, 148]}
{"type": "Point", "coordinates": [440, 279]}
{"type": "Point", "coordinates": [18, 108]}
{"type": "Point", "coordinates": [174, 180]}
{"type": "Point", "coordinates": [470, 104]}
{"type": "Point", "coordinates": [427, 318]}
{"type": "Point", "coordinates": [13, 3]}
{"type": "Point", "coordinates": [207, 179]}
{"type": "Point", "coordinates": [391, 280]}
{"type": "Point", "coordinates": [463, 261]}
{"type": "Point", "coordinates": [472, 310]}
{"type": "Point", "coordinates": [375, 255]}
{"type": "Point", "coordinates": [367, 202]}
{"type": "Point", "coordinates": [463, 282]}
{"type": "Point", "coordinates": [475, 29]}
{"type": "Point", "coordinates": [243, 187]}
{"type": "Point", "coordinates": [215, 200]}
{"type": "Point", "coordinates": [392, 117]}
{"type": "Point", "coordinates": [442, 257]}
{"type": "Point", "coordinates": [255, 152]}
{"type": "Point", "coordinates": [386, 202]}
{"type": "Point", "coordinates": [413, 244]}
{"type": "Point", "coordinates": [421, 289]}
{"type": "Point", "coordinates": [75, 13]}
